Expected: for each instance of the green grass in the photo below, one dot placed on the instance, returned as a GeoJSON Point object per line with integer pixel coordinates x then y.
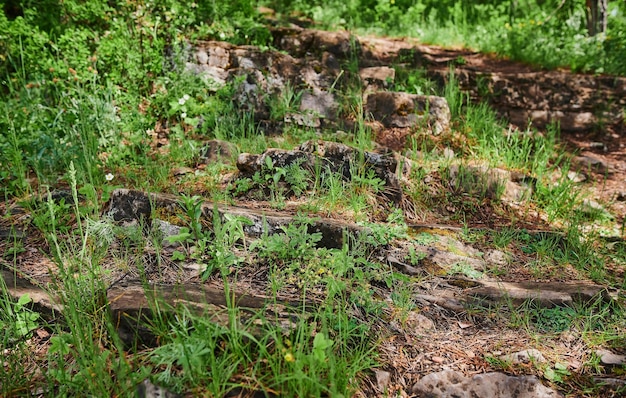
{"type": "Point", "coordinates": [78, 110]}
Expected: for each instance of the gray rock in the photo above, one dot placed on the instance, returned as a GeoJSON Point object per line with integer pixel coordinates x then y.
{"type": "Point", "coordinates": [334, 157]}
{"type": "Point", "coordinates": [129, 206]}
{"type": "Point", "coordinates": [524, 356]}
{"type": "Point", "coordinates": [496, 257]}
{"type": "Point", "coordinates": [544, 294]}
{"type": "Point", "coordinates": [576, 177]}
{"type": "Point", "coordinates": [448, 153]}
{"type": "Point", "coordinates": [219, 55]}
{"type": "Point", "coordinates": [377, 77]}
{"type": "Point", "coordinates": [202, 57]}
{"type": "Point", "coordinates": [449, 384]}
{"type": "Point", "coordinates": [609, 358]}
{"type": "Point", "coordinates": [588, 162]}
{"type": "Point", "coordinates": [591, 207]}
{"type": "Point", "coordinates": [402, 110]}
{"type": "Point", "coordinates": [147, 389]}
{"type": "Point", "coordinates": [217, 150]}
{"type": "Point", "coordinates": [493, 183]}
{"type": "Point", "coordinates": [382, 379]}
{"type": "Point", "coordinates": [167, 230]}
{"type": "Point", "coordinates": [304, 119]}
{"type": "Point", "coordinates": [320, 103]}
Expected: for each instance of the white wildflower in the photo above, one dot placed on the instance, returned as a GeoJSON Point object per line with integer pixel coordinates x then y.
{"type": "Point", "coordinates": [109, 177]}
{"type": "Point", "coordinates": [181, 101]}
{"type": "Point", "coordinates": [183, 115]}
{"type": "Point", "coordinates": [186, 97]}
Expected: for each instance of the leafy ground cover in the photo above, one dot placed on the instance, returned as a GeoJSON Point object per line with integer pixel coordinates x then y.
{"type": "Point", "coordinates": [97, 97]}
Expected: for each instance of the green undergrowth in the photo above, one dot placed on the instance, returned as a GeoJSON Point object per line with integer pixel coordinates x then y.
{"type": "Point", "coordinates": [102, 101]}
{"type": "Point", "coordinates": [548, 34]}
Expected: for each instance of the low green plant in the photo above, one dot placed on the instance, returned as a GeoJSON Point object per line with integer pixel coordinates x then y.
{"type": "Point", "coordinates": [414, 81]}
{"type": "Point", "coordinates": [283, 103]}
{"type": "Point", "coordinates": [465, 269]}
{"type": "Point", "coordinates": [20, 320]}
{"type": "Point", "coordinates": [85, 342]}
{"type": "Point", "coordinates": [17, 322]}
{"type": "Point", "coordinates": [213, 248]}
{"type": "Point", "coordinates": [556, 373]}
{"type": "Point", "coordinates": [380, 235]}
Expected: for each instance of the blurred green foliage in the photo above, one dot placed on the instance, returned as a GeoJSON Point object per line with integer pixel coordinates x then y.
{"type": "Point", "coordinates": [549, 33]}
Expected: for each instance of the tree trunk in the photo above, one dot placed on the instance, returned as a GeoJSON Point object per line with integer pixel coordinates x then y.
{"type": "Point", "coordinates": [596, 16]}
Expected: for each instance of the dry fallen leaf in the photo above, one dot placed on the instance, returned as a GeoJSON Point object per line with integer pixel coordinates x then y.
{"type": "Point", "coordinates": [464, 325]}
{"type": "Point", "coordinates": [42, 333]}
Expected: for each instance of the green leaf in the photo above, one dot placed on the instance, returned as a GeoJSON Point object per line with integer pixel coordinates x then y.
{"type": "Point", "coordinates": [23, 300]}
{"type": "Point", "coordinates": [182, 236]}
{"type": "Point", "coordinates": [58, 345]}
{"type": "Point", "coordinates": [551, 375]}
{"type": "Point", "coordinates": [320, 345]}
{"type": "Point", "coordinates": [178, 256]}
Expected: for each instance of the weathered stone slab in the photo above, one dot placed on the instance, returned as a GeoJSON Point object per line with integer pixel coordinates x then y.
{"type": "Point", "coordinates": [449, 383]}
{"type": "Point", "coordinates": [402, 110]}
{"type": "Point", "coordinates": [546, 294]}
{"type": "Point", "coordinates": [331, 156]}
{"type": "Point", "coordinates": [131, 303]}
{"type": "Point", "coordinates": [128, 205]}
{"type": "Point", "coordinates": [377, 77]}
{"type": "Point", "coordinates": [493, 183]}
{"type": "Point", "coordinates": [610, 358]}
{"type": "Point", "coordinates": [577, 102]}
{"type": "Point", "coordinates": [42, 301]}
{"type": "Point", "coordinates": [217, 150]}
{"type": "Point", "coordinates": [524, 356]}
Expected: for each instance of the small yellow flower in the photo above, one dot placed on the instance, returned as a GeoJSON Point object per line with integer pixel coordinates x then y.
{"type": "Point", "coordinates": [289, 357]}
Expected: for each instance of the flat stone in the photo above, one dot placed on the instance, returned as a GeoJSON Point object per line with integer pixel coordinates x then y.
{"type": "Point", "coordinates": [524, 356]}
{"type": "Point", "coordinates": [496, 257]}
{"type": "Point", "coordinates": [401, 110]}
{"type": "Point", "coordinates": [493, 183]}
{"type": "Point", "coordinates": [449, 383]}
{"type": "Point", "coordinates": [548, 294]}
{"type": "Point", "coordinates": [167, 230]}
{"type": "Point", "coordinates": [147, 389]}
{"type": "Point", "coordinates": [417, 322]}
{"type": "Point", "coordinates": [332, 156]}
{"type": "Point", "coordinates": [576, 177]}
{"type": "Point", "coordinates": [588, 162]}
{"type": "Point", "coordinates": [609, 358]}
{"type": "Point", "coordinates": [320, 103]}
{"type": "Point", "coordinates": [219, 55]}
{"type": "Point", "coordinates": [590, 206]}
{"type": "Point", "coordinates": [202, 57]}
{"type": "Point", "coordinates": [383, 379]}
{"type": "Point", "coordinates": [377, 77]}
{"type": "Point", "coordinates": [217, 150]}
{"type": "Point", "coordinates": [130, 206]}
